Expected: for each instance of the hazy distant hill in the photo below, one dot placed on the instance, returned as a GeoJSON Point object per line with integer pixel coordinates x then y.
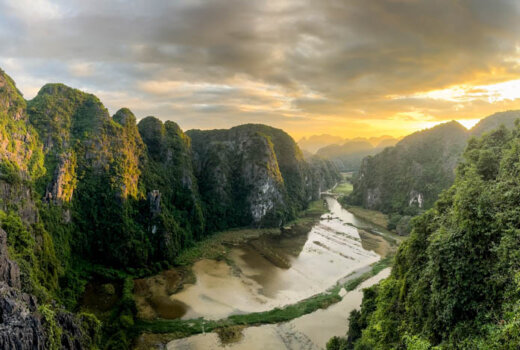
{"type": "Point", "coordinates": [349, 147]}
{"type": "Point", "coordinates": [313, 143]}
{"type": "Point", "coordinates": [383, 141]}
{"type": "Point", "coordinates": [349, 155]}
{"type": "Point", "coordinates": [494, 121]}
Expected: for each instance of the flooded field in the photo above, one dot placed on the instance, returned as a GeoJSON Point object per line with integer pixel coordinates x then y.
{"type": "Point", "coordinates": [265, 273]}
{"type": "Point", "coordinates": [268, 272]}
{"type": "Point", "coordinates": [309, 332]}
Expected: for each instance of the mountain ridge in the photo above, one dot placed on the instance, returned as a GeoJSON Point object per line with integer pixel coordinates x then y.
{"type": "Point", "coordinates": [407, 178]}
{"type": "Point", "coordinates": [88, 194]}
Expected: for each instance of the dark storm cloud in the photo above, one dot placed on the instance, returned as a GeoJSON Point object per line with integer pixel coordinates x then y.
{"type": "Point", "coordinates": [219, 63]}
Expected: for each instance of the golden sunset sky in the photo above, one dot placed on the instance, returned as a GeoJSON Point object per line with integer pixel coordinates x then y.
{"type": "Point", "coordinates": [343, 67]}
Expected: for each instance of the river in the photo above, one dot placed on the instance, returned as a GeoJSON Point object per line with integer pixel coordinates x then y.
{"type": "Point", "coordinates": [272, 272]}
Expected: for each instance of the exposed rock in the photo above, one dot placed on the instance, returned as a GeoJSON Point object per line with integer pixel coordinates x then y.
{"type": "Point", "coordinates": [416, 198]}
{"type": "Point", "coordinates": [154, 199]}
{"type": "Point", "coordinates": [9, 270]}
{"type": "Point", "coordinates": [75, 336]}
{"type": "Point", "coordinates": [373, 198]}
{"type": "Point", "coordinates": [255, 174]}
{"type": "Point", "coordinates": [18, 196]}
{"type": "Point", "coordinates": [20, 327]}
{"type": "Point", "coordinates": [61, 188]}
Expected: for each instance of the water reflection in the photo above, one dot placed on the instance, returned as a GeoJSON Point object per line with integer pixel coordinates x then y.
{"type": "Point", "coordinates": [267, 272]}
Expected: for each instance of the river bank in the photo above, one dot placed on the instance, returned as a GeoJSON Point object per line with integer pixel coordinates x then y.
{"type": "Point", "coordinates": [310, 331]}
{"type": "Point", "coordinates": [376, 217]}
{"type": "Point", "coordinates": [303, 273]}
{"type": "Point", "coordinates": [153, 294]}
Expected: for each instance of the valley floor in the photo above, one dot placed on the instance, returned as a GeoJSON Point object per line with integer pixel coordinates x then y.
{"type": "Point", "coordinates": [376, 217]}
{"type": "Point", "coordinates": [311, 331]}
{"type": "Point", "coordinates": [248, 279]}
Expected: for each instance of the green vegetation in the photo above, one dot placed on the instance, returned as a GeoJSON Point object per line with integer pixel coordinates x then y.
{"type": "Point", "coordinates": [89, 197]}
{"type": "Point", "coordinates": [169, 171]}
{"type": "Point", "coordinates": [405, 180]}
{"type": "Point", "coordinates": [228, 335]}
{"type": "Point", "coordinates": [19, 144]}
{"type": "Point", "coordinates": [376, 268]}
{"type": "Point", "coordinates": [408, 177]}
{"type": "Point", "coordinates": [37, 262]}
{"type": "Point", "coordinates": [343, 188]}
{"type": "Point", "coordinates": [373, 216]}
{"type": "Point", "coordinates": [455, 281]}
{"type": "Point", "coordinates": [53, 330]}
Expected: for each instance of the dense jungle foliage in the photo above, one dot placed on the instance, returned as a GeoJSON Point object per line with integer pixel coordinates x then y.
{"type": "Point", "coordinates": [455, 282]}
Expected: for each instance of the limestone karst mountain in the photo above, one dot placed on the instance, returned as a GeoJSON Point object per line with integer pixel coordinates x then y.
{"type": "Point", "coordinates": [85, 193]}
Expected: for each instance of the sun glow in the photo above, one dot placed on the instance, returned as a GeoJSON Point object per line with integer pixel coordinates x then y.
{"type": "Point", "coordinates": [508, 90]}
{"type": "Point", "coordinates": [468, 123]}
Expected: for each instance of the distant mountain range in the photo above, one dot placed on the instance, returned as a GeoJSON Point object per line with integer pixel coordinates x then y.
{"type": "Point", "coordinates": [314, 143]}
{"type": "Point", "coordinates": [345, 153]}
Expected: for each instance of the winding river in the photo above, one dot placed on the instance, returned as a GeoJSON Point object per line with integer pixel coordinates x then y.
{"type": "Point", "coordinates": [296, 267]}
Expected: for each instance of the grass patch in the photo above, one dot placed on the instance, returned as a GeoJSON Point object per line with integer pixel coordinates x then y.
{"type": "Point", "coordinates": [229, 335]}
{"type": "Point", "coordinates": [185, 328]}
{"type": "Point", "coordinates": [343, 188]}
{"type": "Point", "coordinates": [373, 216]}
{"type": "Point", "coordinates": [216, 246]}
{"type": "Point", "coordinates": [376, 268]}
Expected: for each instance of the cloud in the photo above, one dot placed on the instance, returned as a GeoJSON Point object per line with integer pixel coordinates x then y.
{"type": "Point", "coordinates": [81, 69]}
{"type": "Point", "coordinates": [310, 67]}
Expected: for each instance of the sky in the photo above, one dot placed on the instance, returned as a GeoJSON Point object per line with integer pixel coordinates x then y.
{"type": "Point", "coordinates": [342, 67]}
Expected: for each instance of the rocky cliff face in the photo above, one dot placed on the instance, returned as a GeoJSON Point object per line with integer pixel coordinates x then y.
{"type": "Point", "coordinates": [171, 186]}
{"type": "Point", "coordinates": [24, 325]}
{"type": "Point", "coordinates": [20, 326]}
{"type": "Point", "coordinates": [253, 173]}
{"type": "Point", "coordinates": [80, 137]}
{"type": "Point", "coordinates": [19, 144]}
{"type": "Point", "coordinates": [21, 156]}
{"type": "Point", "coordinates": [323, 175]}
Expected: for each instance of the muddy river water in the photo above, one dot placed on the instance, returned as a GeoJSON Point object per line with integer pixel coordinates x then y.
{"type": "Point", "coordinates": [249, 280]}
